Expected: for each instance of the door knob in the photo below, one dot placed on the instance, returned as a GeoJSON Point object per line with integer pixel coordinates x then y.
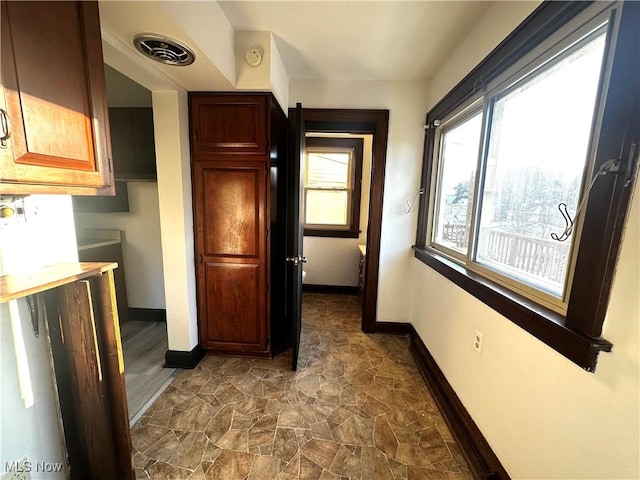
{"type": "Point", "coordinates": [297, 260]}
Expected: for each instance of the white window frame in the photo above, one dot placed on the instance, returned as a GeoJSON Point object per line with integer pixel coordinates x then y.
{"type": "Point", "coordinates": [448, 124]}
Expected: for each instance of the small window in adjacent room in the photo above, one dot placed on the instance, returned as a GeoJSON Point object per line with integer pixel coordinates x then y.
{"type": "Point", "coordinates": [529, 163]}
{"type": "Point", "coordinates": [332, 184]}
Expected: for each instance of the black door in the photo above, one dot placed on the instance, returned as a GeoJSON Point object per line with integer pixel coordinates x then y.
{"type": "Point", "coordinates": [295, 228]}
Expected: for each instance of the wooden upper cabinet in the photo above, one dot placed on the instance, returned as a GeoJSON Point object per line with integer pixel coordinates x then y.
{"type": "Point", "coordinates": [229, 125]}
{"type": "Point", "coordinates": [55, 100]}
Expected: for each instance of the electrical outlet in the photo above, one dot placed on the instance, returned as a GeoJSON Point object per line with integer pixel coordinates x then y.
{"type": "Point", "coordinates": [477, 342]}
{"type": "Point", "coordinates": [20, 470]}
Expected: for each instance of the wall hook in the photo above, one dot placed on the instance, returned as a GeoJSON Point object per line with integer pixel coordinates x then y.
{"type": "Point", "coordinates": [409, 206]}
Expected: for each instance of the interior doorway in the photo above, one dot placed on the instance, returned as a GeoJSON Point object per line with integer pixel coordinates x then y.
{"type": "Point", "coordinates": [335, 214]}
{"type": "Point", "coordinates": [373, 123]}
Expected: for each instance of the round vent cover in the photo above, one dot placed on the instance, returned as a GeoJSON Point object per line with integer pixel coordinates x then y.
{"type": "Point", "coordinates": [163, 50]}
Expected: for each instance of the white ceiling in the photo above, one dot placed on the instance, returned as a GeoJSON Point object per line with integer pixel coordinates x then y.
{"type": "Point", "coordinates": [359, 40]}
{"type": "Point", "coordinates": [345, 39]}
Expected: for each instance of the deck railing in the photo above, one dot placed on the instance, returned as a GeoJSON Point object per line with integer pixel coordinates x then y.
{"type": "Point", "coordinates": [542, 258]}
{"type": "Point", "coordinates": [455, 233]}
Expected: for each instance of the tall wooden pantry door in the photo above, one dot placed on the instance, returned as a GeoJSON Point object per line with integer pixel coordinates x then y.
{"type": "Point", "coordinates": [233, 195]}
{"type": "Point", "coordinates": [231, 240]}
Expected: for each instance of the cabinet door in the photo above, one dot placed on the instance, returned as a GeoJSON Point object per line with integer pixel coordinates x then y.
{"type": "Point", "coordinates": [55, 96]}
{"type": "Point", "coordinates": [229, 125]}
{"type": "Point", "coordinates": [230, 212]}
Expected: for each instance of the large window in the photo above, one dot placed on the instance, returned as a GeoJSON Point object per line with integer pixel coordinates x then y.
{"type": "Point", "coordinates": [517, 170]}
{"type": "Point", "coordinates": [332, 184]}
{"type": "Point", "coordinates": [526, 180]}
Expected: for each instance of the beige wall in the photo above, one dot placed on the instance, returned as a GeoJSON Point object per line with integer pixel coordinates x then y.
{"type": "Point", "coordinates": [406, 102]}
{"type": "Point", "coordinates": [141, 246]}
{"type": "Point", "coordinates": [542, 415]}
{"type": "Point", "coordinates": [124, 92]}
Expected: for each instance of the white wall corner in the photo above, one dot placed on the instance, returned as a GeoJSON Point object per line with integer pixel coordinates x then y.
{"type": "Point", "coordinates": [271, 75]}
{"type": "Point", "coordinates": [279, 76]}
{"type": "Point", "coordinates": [171, 120]}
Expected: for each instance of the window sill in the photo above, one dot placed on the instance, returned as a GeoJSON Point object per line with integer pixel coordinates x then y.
{"type": "Point", "coordinates": [314, 232]}
{"type": "Point", "coordinates": [542, 323]}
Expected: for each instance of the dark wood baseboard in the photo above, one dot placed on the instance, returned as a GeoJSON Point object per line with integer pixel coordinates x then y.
{"type": "Point", "coordinates": [221, 352]}
{"type": "Point", "coordinates": [183, 359]}
{"type": "Point", "coordinates": [148, 314]}
{"type": "Point", "coordinates": [482, 461]}
{"type": "Point", "coordinates": [393, 328]}
{"type": "Point", "coordinates": [332, 289]}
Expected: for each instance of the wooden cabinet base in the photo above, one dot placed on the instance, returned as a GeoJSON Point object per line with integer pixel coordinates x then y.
{"type": "Point", "coordinates": [89, 372]}
{"type": "Point", "coordinates": [239, 353]}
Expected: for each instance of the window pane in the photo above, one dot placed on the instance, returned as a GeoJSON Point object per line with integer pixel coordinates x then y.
{"type": "Point", "coordinates": [458, 163]}
{"type": "Point", "coordinates": [326, 207]}
{"type": "Point", "coordinates": [328, 170]}
{"type": "Point", "coordinates": [538, 146]}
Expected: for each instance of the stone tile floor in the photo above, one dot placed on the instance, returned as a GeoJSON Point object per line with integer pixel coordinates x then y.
{"type": "Point", "coordinates": [356, 408]}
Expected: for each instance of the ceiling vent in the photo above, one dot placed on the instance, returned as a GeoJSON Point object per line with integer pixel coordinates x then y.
{"type": "Point", "coordinates": [163, 49]}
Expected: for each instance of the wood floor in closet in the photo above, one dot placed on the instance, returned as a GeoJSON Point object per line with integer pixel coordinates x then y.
{"type": "Point", "coordinates": [144, 344]}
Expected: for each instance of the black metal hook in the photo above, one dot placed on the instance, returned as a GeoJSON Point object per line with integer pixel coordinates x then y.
{"type": "Point", "coordinates": [569, 223]}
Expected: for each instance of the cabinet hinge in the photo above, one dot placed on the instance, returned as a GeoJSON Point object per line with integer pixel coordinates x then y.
{"type": "Point", "coordinates": [267, 232]}
{"type": "Point", "coordinates": [110, 165]}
